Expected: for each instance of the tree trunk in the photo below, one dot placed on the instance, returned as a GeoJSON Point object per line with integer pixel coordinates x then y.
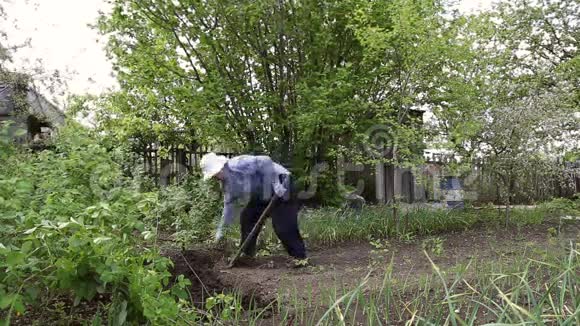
{"type": "Point", "coordinates": [510, 190]}
{"type": "Point", "coordinates": [507, 212]}
{"type": "Point", "coordinates": [396, 217]}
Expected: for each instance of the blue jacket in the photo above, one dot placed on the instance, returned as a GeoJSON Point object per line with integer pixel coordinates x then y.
{"type": "Point", "coordinates": [251, 177]}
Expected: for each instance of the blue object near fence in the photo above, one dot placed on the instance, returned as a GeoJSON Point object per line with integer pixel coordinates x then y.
{"type": "Point", "coordinates": [452, 187]}
{"type": "Point", "coordinates": [451, 183]}
{"type": "Point", "coordinates": [455, 204]}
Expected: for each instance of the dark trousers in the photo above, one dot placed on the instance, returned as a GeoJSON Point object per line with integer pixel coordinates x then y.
{"type": "Point", "coordinates": [284, 213]}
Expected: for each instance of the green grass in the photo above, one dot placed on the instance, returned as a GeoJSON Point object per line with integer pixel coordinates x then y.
{"type": "Point", "coordinates": [325, 227]}
{"type": "Point", "coordinates": [535, 287]}
{"type": "Point", "coordinates": [527, 291]}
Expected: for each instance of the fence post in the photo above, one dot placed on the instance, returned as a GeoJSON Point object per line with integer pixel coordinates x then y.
{"type": "Point", "coordinates": [173, 168]}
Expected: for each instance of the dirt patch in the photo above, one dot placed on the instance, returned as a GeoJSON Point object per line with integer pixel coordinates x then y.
{"type": "Point", "coordinates": [263, 280]}
{"type": "Point", "coordinates": [198, 267]}
{"type": "Point", "coordinates": [346, 265]}
{"type": "Point", "coordinates": [60, 310]}
{"type": "Point", "coordinates": [206, 269]}
{"type": "Point", "coordinates": [342, 268]}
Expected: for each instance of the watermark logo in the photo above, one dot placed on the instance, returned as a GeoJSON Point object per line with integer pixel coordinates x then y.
{"type": "Point", "coordinates": [380, 141]}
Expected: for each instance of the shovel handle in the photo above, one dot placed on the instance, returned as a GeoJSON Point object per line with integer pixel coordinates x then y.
{"type": "Point", "coordinates": [254, 231]}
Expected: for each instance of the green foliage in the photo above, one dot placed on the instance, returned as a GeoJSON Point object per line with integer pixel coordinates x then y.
{"type": "Point", "coordinates": [189, 211]}
{"type": "Point", "coordinates": [433, 246]}
{"type": "Point", "coordinates": [18, 84]}
{"type": "Point", "coordinates": [223, 307]}
{"type": "Point", "coordinates": [378, 253]}
{"type": "Point", "coordinates": [71, 222]}
{"type": "Point", "coordinates": [380, 245]}
{"type": "Point", "coordinates": [509, 97]}
{"type": "Point", "coordinates": [269, 246]}
{"type": "Point", "coordinates": [303, 81]}
{"type": "Point", "coordinates": [572, 156]}
{"type": "Point", "coordinates": [6, 138]}
{"type": "Point", "coordinates": [323, 227]}
{"type": "Point", "coordinates": [541, 289]}
{"type": "Point", "coordinates": [562, 206]}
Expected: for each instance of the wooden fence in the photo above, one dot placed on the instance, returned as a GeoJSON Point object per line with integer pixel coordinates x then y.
{"type": "Point", "coordinates": [169, 165]}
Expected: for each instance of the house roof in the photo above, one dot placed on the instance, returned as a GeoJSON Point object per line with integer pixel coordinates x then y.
{"type": "Point", "coordinates": [38, 106]}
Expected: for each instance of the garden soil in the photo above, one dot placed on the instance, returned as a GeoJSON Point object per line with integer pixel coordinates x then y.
{"type": "Point", "coordinates": [267, 279]}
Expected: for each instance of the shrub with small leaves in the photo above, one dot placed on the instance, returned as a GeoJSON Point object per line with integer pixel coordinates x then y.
{"type": "Point", "coordinates": [73, 224]}
{"type": "Point", "coordinates": [188, 211]}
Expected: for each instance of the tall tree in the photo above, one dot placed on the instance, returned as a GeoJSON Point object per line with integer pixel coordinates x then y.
{"type": "Point", "coordinates": [512, 103]}
{"type": "Point", "coordinates": [4, 55]}
{"type": "Point", "coordinates": [16, 81]}
{"type": "Point", "coordinates": [24, 77]}
{"type": "Point", "coordinates": [302, 80]}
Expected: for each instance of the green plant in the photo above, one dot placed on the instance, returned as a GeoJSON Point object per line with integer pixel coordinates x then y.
{"type": "Point", "coordinates": [542, 290]}
{"type": "Point", "coordinates": [270, 247]}
{"type": "Point", "coordinates": [188, 211]}
{"type": "Point", "coordinates": [433, 245]}
{"type": "Point", "coordinates": [561, 206]}
{"type": "Point", "coordinates": [380, 249]}
{"type": "Point", "coordinates": [73, 224]}
{"type": "Point", "coordinates": [376, 222]}
{"type": "Point", "coordinates": [223, 307]}
{"type": "Point", "coordinates": [380, 245]}
{"type": "Point", "coordinates": [407, 236]}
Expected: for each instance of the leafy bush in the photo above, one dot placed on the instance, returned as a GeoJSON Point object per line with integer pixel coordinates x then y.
{"type": "Point", "coordinates": [71, 223]}
{"type": "Point", "coordinates": [562, 206]}
{"type": "Point", "coordinates": [173, 204]}
{"type": "Point", "coordinates": [188, 211]}
{"type": "Point", "coordinates": [206, 209]}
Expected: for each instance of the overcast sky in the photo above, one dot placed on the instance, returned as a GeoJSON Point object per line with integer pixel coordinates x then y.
{"type": "Point", "coordinates": [60, 36]}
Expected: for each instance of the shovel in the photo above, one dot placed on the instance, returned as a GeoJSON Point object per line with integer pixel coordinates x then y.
{"type": "Point", "coordinates": [254, 231]}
